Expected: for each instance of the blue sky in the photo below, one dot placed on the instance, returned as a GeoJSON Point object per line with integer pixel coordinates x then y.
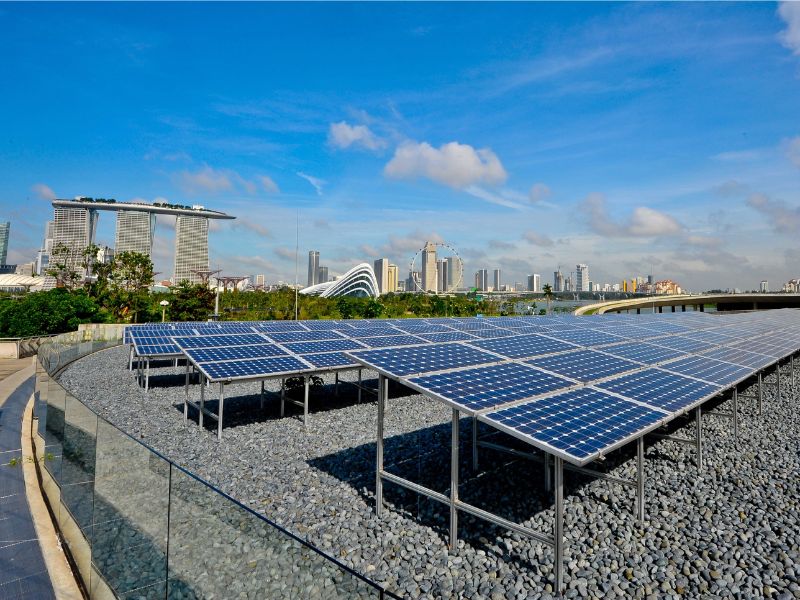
{"type": "Point", "coordinates": [627, 136]}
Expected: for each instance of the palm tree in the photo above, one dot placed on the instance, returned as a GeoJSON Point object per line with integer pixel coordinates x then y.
{"type": "Point", "coordinates": [548, 295]}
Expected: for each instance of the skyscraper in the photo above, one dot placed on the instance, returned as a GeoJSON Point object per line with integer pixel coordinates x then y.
{"type": "Point", "coordinates": [497, 283]}
{"type": "Point", "coordinates": [558, 281]}
{"type": "Point", "coordinates": [73, 229]}
{"type": "Point", "coordinates": [322, 274]}
{"type": "Point", "coordinates": [429, 268]}
{"type": "Point", "coordinates": [534, 283]}
{"type": "Point", "coordinates": [5, 230]}
{"type": "Point", "coordinates": [393, 273]}
{"type": "Point", "coordinates": [413, 282]}
{"type": "Point", "coordinates": [313, 267]}
{"type": "Point", "coordinates": [441, 275]}
{"type": "Point", "coordinates": [260, 279]}
{"type": "Point", "coordinates": [454, 272]}
{"type": "Point", "coordinates": [191, 248]}
{"type": "Point", "coordinates": [135, 230]}
{"type": "Point", "coordinates": [482, 280]}
{"type": "Point", "coordinates": [381, 268]}
{"type": "Point", "coordinates": [581, 278]}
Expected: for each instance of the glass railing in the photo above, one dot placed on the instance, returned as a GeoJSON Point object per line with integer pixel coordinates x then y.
{"type": "Point", "coordinates": [139, 526]}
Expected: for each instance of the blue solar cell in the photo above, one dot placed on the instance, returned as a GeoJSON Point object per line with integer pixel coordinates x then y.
{"type": "Point", "coordinates": [479, 388]}
{"type": "Point", "coordinates": [199, 355]}
{"type": "Point", "coordinates": [585, 337]}
{"type": "Point", "coordinates": [523, 346]}
{"type": "Point", "coordinates": [329, 360]}
{"type": "Point", "coordinates": [423, 359]}
{"type": "Point", "coordinates": [644, 353]}
{"type": "Point", "coordinates": [708, 369]}
{"type": "Point", "coordinates": [769, 347]}
{"type": "Point", "coordinates": [683, 344]}
{"type": "Point", "coordinates": [709, 336]}
{"type": "Point", "coordinates": [583, 423]}
{"type": "Point", "coordinates": [276, 326]}
{"type": "Point", "coordinates": [584, 365]}
{"type": "Point", "coordinates": [417, 328]}
{"type": "Point", "coordinates": [453, 336]}
{"type": "Point", "coordinates": [157, 349]}
{"type": "Point", "coordinates": [496, 332]}
{"type": "Point", "coordinates": [326, 325]}
{"type": "Point", "coordinates": [219, 341]}
{"type": "Point", "coordinates": [471, 325]}
{"type": "Point", "coordinates": [657, 325]}
{"type": "Point", "coordinates": [391, 340]}
{"type": "Point", "coordinates": [253, 368]}
{"type": "Point", "coordinates": [322, 346]}
{"type": "Point", "coordinates": [362, 332]}
{"type": "Point", "coordinates": [660, 389]}
{"type": "Point", "coordinates": [304, 336]}
{"type": "Point", "coordinates": [741, 357]}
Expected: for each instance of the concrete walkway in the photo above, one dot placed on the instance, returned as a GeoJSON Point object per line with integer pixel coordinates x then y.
{"type": "Point", "coordinates": [23, 574]}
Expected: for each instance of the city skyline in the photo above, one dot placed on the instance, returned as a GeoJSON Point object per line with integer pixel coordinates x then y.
{"type": "Point", "coordinates": [630, 136]}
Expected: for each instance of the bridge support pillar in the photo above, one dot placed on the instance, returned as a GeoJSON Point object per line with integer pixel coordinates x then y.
{"type": "Point", "coordinates": [661, 309]}
{"type": "Point", "coordinates": [683, 308]}
{"type": "Point", "coordinates": [673, 308]}
{"type": "Point", "coordinates": [638, 311]}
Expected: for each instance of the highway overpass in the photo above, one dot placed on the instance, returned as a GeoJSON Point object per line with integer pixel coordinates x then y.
{"type": "Point", "coordinates": [686, 302]}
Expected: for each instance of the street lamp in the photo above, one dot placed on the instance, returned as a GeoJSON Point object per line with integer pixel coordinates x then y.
{"type": "Point", "coordinates": [164, 304]}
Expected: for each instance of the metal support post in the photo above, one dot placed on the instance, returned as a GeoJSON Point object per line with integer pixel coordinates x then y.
{"type": "Point", "coordinates": [698, 440]}
{"type": "Point", "coordinates": [336, 384]}
{"type": "Point", "coordinates": [359, 386]}
{"type": "Point", "coordinates": [454, 481]}
{"type": "Point", "coordinates": [283, 397]}
{"type": "Point", "coordinates": [219, 412]}
{"type": "Point", "coordinates": [548, 480]}
{"type": "Point", "coordinates": [262, 395]}
{"type": "Point", "coordinates": [791, 370]}
{"type": "Point", "coordinates": [147, 377]}
{"type": "Point", "coordinates": [474, 443]}
{"type": "Point", "coordinates": [379, 450]}
{"type": "Point", "coordinates": [558, 528]}
{"type": "Point", "coordinates": [386, 393]}
{"type": "Point", "coordinates": [777, 375]}
{"type": "Point", "coordinates": [130, 359]}
{"type": "Point", "coordinates": [305, 402]}
{"type": "Point", "coordinates": [760, 392]}
{"type": "Point", "coordinates": [735, 415]}
{"type": "Point", "coordinates": [186, 395]}
{"type": "Point", "coordinates": [640, 480]}
{"type": "Point", "coordinates": [202, 399]}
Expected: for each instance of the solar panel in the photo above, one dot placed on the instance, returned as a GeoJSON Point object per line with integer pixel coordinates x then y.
{"type": "Point", "coordinates": [276, 326]}
{"type": "Point", "coordinates": [322, 346]}
{"type": "Point", "coordinates": [423, 359]}
{"type": "Point", "coordinates": [581, 424]}
{"type": "Point", "coordinates": [762, 346]}
{"type": "Point", "coordinates": [584, 365]}
{"type": "Point", "coordinates": [647, 354]}
{"type": "Point", "coordinates": [416, 328]}
{"type": "Point", "coordinates": [683, 344]}
{"type": "Point", "coordinates": [253, 368]}
{"type": "Point", "coordinates": [452, 336]}
{"type": "Point", "coordinates": [323, 325]}
{"type": "Point", "coordinates": [330, 360]}
{"type": "Point", "coordinates": [523, 346]}
{"type": "Point", "coordinates": [476, 389]}
{"type": "Point", "coordinates": [156, 349]}
{"type": "Point", "coordinates": [710, 336]}
{"type": "Point", "coordinates": [660, 389]}
{"type": "Point", "coordinates": [585, 337]}
{"type": "Point", "coordinates": [492, 332]}
{"type": "Point", "coordinates": [708, 369]}
{"type": "Point", "coordinates": [199, 355]}
{"type": "Point", "coordinates": [363, 332]}
{"type": "Point", "coordinates": [304, 336]}
{"type": "Point", "coordinates": [386, 341]}
{"type": "Point", "coordinates": [219, 341]}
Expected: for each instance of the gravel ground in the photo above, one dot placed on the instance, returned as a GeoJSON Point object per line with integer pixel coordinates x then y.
{"type": "Point", "coordinates": [729, 531]}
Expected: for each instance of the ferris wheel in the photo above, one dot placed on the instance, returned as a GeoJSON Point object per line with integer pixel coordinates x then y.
{"type": "Point", "coordinates": [443, 250]}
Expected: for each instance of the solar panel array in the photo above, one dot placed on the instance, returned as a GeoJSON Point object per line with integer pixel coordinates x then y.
{"type": "Point", "coordinates": [573, 386]}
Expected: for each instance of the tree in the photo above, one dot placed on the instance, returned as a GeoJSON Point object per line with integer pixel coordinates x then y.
{"type": "Point", "coordinates": [131, 277]}
{"type": "Point", "coordinates": [63, 266]}
{"type": "Point", "coordinates": [42, 313]}
{"type": "Point", "coordinates": [190, 302]}
{"type": "Point", "coordinates": [548, 295]}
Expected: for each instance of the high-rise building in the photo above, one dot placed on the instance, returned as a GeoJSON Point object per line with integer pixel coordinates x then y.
{"type": "Point", "coordinates": [633, 285]}
{"type": "Point", "coordinates": [413, 282]}
{"type": "Point", "coordinates": [764, 287]}
{"type": "Point", "coordinates": [534, 283]}
{"type": "Point", "coordinates": [313, 267]}
{"type": "Point", "coordinates": [73, 230]}
{"type": "Point", "coordinates": [581, 278]}
{"type": "Point", "coordinates": [322, 274]}
{"type": "Point", "coordinates": [43, 255]}
{"type": "Point", "coordinates": [260, 280]}
{"type": "Point", "coordinates": [381, 268]}
{"type": "Point", "coordinates": [135, 230]}
{"type": "Point", "coordinates": [429, 268]}
{"type": "Point", "coordinates": [592, 286]}
{"type": "Point", "coordinates": [558, 281]}
{"type": "Point", "coordinates": [482, 280]}
{"type": "Point", "coordinates": [5, 230]}
{"type": "Point", "coordinates": [105, 255]}
{"type": "Point", "coordinates": [497, 282]}
{"type": "Point", "coordinates": [392, 274]}
{"type": "Point", "coordinates": [191, 248]}
{"type": "Point", "coordinates": [454, 272]}
{"type": "Point", "coordinates": [568, 284]}
{"type": "Point", "coordinates": [441, 275]}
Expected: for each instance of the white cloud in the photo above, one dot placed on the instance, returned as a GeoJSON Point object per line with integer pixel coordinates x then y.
{"type": "Point", "coordinates": [783, 218]}
{"type": "Point", "coordinates": [285, 253]}
{"type": "Point", "coordinates": [737, 156]}
{"type": "Point", "coordinates": [453, 164]}
{"type": "Point", "coordinates": [793, 150]}
{"type": "Point", "coordinates": [643, 222]}
{"type": "Point", "coordinates": [268, 184]}
{"type": "Point", "coordinates": [316, 182]}
{"type": "Point", "coordinates": [502, 245]}
{"type": "Point", "coordinates": [790, 37]}
{"type": "Point", "coordinates": [205, 181]}
{"type": "Point", "coordinates": [45, 192]}
{"type": "Point", "coordinates": [484, 194]}
{"type": "Point", "coordinates": [538, 193]}
{"type": "Point", "coordinates": [344, 135]}
{"type": "Point", "coordinates": [538, 239]}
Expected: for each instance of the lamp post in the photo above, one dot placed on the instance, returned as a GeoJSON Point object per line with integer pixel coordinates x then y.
{"type": "Point", "coordinates": [164, 304]}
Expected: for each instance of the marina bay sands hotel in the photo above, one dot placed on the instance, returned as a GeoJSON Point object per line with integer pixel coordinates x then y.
{"type": "Point", "coordinates": [75, 225]}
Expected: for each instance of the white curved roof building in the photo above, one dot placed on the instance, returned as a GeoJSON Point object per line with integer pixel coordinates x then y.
{"type": "Point", "coordinates": [13, 281]}
{"type": "Point", "coordinates": [359, 281]}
